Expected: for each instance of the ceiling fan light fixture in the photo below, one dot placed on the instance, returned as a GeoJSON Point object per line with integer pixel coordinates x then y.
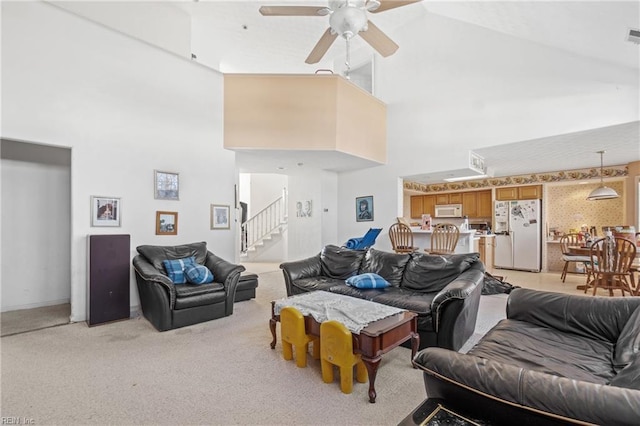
{"type": "Point", "coordinates": [348, 21]}
{"type": "Point", "coordinates": [602, 192]}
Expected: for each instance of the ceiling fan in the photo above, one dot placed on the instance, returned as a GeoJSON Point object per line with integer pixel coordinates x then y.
{"type": "Point", "coordinates": [347, 18]}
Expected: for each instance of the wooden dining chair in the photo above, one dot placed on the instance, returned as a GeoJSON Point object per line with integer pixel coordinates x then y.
{"type": "Point", "coordinates": [401, 238]}
{"type": "Point", "coordinates": [444, 239]}
{"type": "Point", "coordinates": [567, 241]}
{"type": "Point", "coordinates": [610, 267]}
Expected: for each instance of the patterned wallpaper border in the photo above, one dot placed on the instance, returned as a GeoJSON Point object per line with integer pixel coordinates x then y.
{"type": "Point", "coordinates": [536, 178]}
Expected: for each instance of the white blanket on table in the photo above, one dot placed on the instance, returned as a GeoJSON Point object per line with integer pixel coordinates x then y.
{"type": "Point", "coordinates": [354, 313]}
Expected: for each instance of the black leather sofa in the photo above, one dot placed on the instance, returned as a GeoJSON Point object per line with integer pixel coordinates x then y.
{"type": "Point", "coordinates": [169, 306]}
{"type": "Point", "coordinates": [556, 359]}
{"type": "Point", "coordinates": [444, 290]}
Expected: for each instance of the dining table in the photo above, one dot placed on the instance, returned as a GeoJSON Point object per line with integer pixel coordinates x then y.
{"type": "Point", "coordinates": [633, 269]}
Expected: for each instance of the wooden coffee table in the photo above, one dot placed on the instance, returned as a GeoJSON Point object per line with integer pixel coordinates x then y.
{"type": "Point", "coordinates": [376, 339]}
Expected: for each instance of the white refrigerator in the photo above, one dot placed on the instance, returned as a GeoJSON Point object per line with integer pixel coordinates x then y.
{"type": "Point", "coordinates": [518, 240]}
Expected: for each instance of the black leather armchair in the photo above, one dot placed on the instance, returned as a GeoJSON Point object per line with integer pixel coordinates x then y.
{"type": "Point", "coordinates": [168, 306]}
{"type": "Point", "coordinates": [556, 359]}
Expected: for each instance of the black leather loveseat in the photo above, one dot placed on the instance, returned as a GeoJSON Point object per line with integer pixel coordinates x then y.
{"type": "Point", "coordinates": [444, 290]}
{"type": "Point", "coordinates": [557, 358]}
{"type": "Point", "coordinates": [169, 306]}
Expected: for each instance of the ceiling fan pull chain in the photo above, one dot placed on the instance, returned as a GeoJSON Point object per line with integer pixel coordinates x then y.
{"type": "Point", "coordinates": [347, 63]}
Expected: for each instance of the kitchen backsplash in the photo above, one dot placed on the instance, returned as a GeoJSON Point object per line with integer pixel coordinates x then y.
{"type": "Point", "coordinates": [568, 208]}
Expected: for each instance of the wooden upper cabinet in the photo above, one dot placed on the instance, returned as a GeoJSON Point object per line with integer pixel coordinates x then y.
{"type": "Point", "coordinates": [504, 194]}
{"type": "Point", "coordinates": [456, 198]}
{"type": "Point", "coordinates": [416, 206]}
{"type": "Point", "coordinates": [442, 199]}
{"type": "Point", "coordinates": [485, 206]}
{"type": "Point", "coordinates": [531, 192]}
{"type": "Point", "coordinates": [429, 205]}
{"type": "Point", "coordinates": [469, 204]}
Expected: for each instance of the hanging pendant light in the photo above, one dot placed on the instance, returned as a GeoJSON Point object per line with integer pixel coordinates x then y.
{"type": "Point", "coordinates": [602, 192]}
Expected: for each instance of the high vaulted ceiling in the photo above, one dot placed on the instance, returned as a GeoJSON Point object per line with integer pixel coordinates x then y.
{"type": "Point", "coordinates": [232, 36]}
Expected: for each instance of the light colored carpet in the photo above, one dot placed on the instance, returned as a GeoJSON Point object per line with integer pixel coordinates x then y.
{"type": "Point", "coordinates": [25, 320]}
{"type": "Point", "coordinates": [218, 372]}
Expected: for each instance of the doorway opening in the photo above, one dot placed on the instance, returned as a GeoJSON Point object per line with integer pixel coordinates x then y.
{"type": "Point", "coordinates": [36, 236]}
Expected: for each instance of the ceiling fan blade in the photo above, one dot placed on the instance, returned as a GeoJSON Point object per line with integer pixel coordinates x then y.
{"type": "Point", "coordinates": [321, 47]}
{"type": "Point", "coordinates": [392, 4]}
{"type": "Point", "coordinates": [379, 40]}
{"type": "Point", "coordinates": [292, 10]}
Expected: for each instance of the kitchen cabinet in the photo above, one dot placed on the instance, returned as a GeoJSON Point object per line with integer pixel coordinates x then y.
{"type": "Point", "coordinates": [416, 206]}
{"type": "Point", "coordinates": [475, 204]}
{"type": "Point", "coordinates": [485, 204]}
{"type": "Point", "coordinates": [429, 205]}
{"type": "Point", "coordinates": [485, 248]}
{"type": "Point", "coordinates": [506, 194]}
{"type": "Point", "coordinates": [528, 192]}
{"type": "Point", "coordinates": [454, 198]}
{"type": "Point", "coordinates": [470, 204]}
{"type": "Point", "coordinates": [423, 204]}
{"type": "Point", "coordinates": [531, 192]}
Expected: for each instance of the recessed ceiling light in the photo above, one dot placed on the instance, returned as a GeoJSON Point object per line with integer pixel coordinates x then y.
{"type": "Point", "coordinates": [300, 164]}
{"type": "Point", "coordinates": [280, 168]}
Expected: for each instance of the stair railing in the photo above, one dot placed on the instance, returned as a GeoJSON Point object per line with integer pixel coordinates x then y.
{"type": "Point", "coordinates": [263, 223]}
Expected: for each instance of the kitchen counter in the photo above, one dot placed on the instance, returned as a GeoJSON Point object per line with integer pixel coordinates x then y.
{"type": "Point", "coordinates": [422, 240]}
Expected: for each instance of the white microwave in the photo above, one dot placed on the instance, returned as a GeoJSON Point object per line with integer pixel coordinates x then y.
{"type": "Point", "coordinates": [449, 210]}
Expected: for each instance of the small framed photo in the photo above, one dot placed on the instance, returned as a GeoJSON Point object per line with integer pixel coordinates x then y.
{"type": "Point", "coordinates": [105, 211]}
{"type": "Point", "coordinates": [364, 208]}
{"type": "Point", "coordinates": [166, 223]}
{"type": "Point", "coordinates": [167, 185]}
{"type": "Point", "coordinates": [220, 216]}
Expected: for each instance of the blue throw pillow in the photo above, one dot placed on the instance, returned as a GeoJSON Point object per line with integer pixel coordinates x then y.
{"type": "Point", "coordinates": [175, 268]}
{"type": "Point", "coordinates": [198, 274]}
{"type": "Point", "coordinates": [368, 280]}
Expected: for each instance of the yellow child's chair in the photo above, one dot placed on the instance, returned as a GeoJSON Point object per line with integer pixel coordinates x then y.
{"type": "Point", "coordinates": [294, 334]}
{"type": "Point", "coordinates": [336, 348]}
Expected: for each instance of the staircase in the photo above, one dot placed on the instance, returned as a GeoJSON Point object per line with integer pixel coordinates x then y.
{"type": "Point", "coordinates": [264, 227]}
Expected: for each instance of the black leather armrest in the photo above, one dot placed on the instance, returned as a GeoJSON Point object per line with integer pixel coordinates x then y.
{"type": "Point", "coordinates": [467, 283]}
{"type": "Point", "coordinates": [221, 268]}
{"type": "Point", "coordinates": [305, 268]}
{"type": "Point", "coordinates": [226, 273]}
{"type": "Point", "coordinates": [533, 390]}
{"type": "Point", "coordinates": [599, 318]}
{"type": "Point", "coordinates": [149, 273]}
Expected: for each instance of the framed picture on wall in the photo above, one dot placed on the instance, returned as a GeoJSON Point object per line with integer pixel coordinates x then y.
{"type": "Point", "coordinates": [167, 185]}
{"type": "Point", "coordinates": [166, 223]}
{"type": "Point", "coordinates": [220, 216]}
{"type": "Point", "coordinates": [364, 208]}
{"type": "Point", "coordinates": [105, 211]}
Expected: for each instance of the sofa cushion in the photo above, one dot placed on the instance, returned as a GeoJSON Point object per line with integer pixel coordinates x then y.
{"type": "Point", "coordinates": [547, 350]}
{"type": "Point", "coordinates": [189, 295]}
{"type": "Point", "coordinates": [317, 283]}
{"type": "Point", "coordinates": [629, 376]}
{"type": "Point", "coordinates": [431, 273]}
{"type": "Point", "coordinates": [156, 254]}
{"type": "Point", "coordinates": [198, 274]}
{"type": "Point", "coordinates": [628, 343]}
{"type": "Point", "coordinates": [368, 280]}
{"type": "Point", "coordinates": [390, 266]}
{"type": "Point", "coordinates": [339, 262]}
{"type": "Point", "coordinates": [175, 268]}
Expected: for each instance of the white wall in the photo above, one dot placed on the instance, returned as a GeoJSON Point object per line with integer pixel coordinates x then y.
{"type": "Point", "coordinates": [306, 235]}
{"type": "Point", "coordinates": [36, 226]}
{"type": "Point", "coordinates": [463, 87]}
{"type": "Point", "coordinates": [125, 109]}
{"type": "Point", "coordinates": [159, 23]}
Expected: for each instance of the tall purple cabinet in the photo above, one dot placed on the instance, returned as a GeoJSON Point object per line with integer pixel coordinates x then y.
{"type": "Point", "coordinates": [108, 272]}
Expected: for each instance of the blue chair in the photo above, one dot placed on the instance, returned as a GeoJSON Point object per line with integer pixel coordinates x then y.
{"type": "Point", "coordinates": [365, 242]}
